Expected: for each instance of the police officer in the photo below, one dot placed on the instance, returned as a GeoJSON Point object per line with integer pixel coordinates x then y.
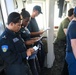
{"type": "Point", "coordinates": [25, 34]}
{"type": "Point", "coordinates": [12, 48]}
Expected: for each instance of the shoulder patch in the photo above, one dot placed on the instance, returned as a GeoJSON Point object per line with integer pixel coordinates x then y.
{"type": "Point", "coordinates": [4, 48]}
{"type": "Point", "coordinates": [4, 37]}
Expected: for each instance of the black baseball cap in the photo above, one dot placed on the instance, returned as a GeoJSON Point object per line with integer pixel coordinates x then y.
{"type": "Point", "coordinates": [13, 17]}
{"type": "Point", "coordinates": [38, 8]}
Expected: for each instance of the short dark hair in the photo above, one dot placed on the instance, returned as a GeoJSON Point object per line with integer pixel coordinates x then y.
{"type": "Point", "coordinates": [13, 17]}
{"type": "Point", "coordinates": [25, 13]}
{"type": "Point", "coordinates": [70, 12]}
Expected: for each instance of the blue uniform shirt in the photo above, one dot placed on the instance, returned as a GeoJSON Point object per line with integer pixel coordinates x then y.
{"type": "Point", "coordinates": [33, 26]}
{"type": "Point", "coordinates": [25, 33]}
{"type": "Point", "coordinates": [71, 34]}
{"type": "Point", "coordinates": [70, 58]}
{"type": "Point", "coordinates": [12, 47]}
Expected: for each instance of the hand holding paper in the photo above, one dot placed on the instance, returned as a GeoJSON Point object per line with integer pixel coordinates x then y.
{"type": "Point", "coordinates": [35, 48]}
{"type": "Point", "coordinates": [46, 29]}
{"type": "Point", "coordinates": [39, 38]}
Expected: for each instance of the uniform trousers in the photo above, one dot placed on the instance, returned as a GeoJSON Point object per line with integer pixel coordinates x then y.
{"type": "Point", "coordinates": [18, 69]}
{"type": "Point", "coordinates": [34, 65]}
{"type": "Point", "coordinates": [59, 51]}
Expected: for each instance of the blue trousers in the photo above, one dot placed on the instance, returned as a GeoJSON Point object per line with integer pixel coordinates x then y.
{"type": "Point", "coordinates": [34, 65]}
{"type": "Point", "coordinates": [18, 69]}
{"type": "Point", "coordinates": [71, 63]}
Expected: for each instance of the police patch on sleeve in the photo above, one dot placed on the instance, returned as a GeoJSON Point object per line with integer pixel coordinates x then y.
{"type": "Point", "coordinates": [4, 48]}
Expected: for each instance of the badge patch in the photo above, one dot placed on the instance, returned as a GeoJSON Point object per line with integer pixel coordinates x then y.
{"type": "Point", "coordinates": [24, 31]}
{"type": "Point", "coordinates": [4, 48]}
{"type": "Point", "coordinates": [15, 39]}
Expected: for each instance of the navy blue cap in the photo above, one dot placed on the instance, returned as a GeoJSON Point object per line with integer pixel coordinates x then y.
{"type": "Point", "coordinates": [75, 10]}
{"type": "Point", "coordinates": [38, 8]}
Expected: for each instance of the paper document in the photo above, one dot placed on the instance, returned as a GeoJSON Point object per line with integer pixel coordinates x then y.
{"type": "Point", "coordinates": [35, 48]}
{"type": "Point", "coordinates": [27, 58]}
{"type": "Point", "coordinates": [39, 38]}
{"type": "Point", "coordinates": [33, 55]}
{"type": "Point", "coordinates": [46, 29]}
